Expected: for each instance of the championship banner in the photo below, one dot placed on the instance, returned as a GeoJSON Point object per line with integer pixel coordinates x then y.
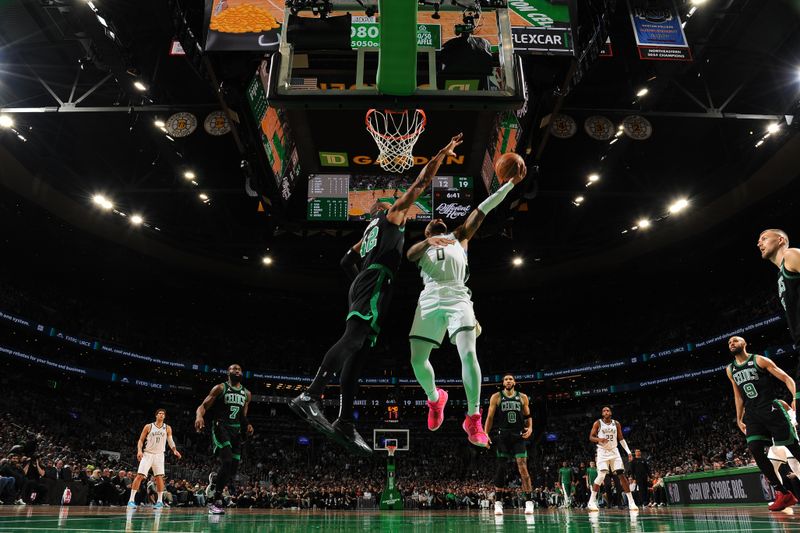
{"type": "Point", "coordinates": [242, 25]}
{"type": "Point", "coordinates": [658, 30]}
{"type": "Point", "coordinates": [729, 485]}
{"type": "Point", "coordinates": [541, 27]}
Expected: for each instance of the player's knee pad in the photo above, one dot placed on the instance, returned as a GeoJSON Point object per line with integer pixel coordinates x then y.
{"type": "Point", "coordinates": [601, 476]}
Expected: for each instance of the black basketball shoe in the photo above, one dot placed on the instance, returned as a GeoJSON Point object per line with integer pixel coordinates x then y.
{"type": "Point", "coordinates": [308, 408]}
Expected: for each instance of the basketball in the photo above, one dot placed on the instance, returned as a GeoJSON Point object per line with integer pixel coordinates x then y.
{"type": "Point", "coordinates": [506, 166]}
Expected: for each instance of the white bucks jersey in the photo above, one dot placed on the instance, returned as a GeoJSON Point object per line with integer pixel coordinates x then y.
{"type": "Point", "coordinates": [608, 431]}
{"type": "Point", "coordinates": [444, 265]}
{"type": "Point", "coordinates": [156, 439]}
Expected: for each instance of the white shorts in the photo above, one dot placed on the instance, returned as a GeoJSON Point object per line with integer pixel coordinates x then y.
{"type": "Point", "coordinates": [433, 319]}
{"type": "Point", "coordinates": [779, 453]}
{"type": "Point", "coordinates": [154, 461]}
{"type": "Point", "coordinates": [609, 462]}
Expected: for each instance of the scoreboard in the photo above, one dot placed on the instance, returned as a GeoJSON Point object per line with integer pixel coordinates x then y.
{"type": "Point", "coordinates": [343, 197]}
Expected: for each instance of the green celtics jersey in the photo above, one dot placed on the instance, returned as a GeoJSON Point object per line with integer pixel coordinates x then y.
{"type": "Point", "coordinates": [755, 384]}
{"type": "Point", "coordinates": [789, 294]}
{"type": "Point", "coordinates": [510, 417]}
{"type": "Point", "coordinates": [591, 475]}
{"type": "Point", "coordinates": [229, 407]}
{"type": "Point", "coordinates": [565, 473]}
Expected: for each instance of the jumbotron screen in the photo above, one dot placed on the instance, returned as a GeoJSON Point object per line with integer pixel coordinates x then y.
{"type": "Point", "coordinates": [346, 197]}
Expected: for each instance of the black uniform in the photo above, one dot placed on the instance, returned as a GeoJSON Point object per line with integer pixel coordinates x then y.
{"type": "Point", "coordinates": [789, 293]}
{"type": "Point", "coordinates": [227, 416]}
{"type": "Point", "coordinates": [764, 416]}
{"type": "Point", "coordinates": [371, 290]}
{"type": "Point", "coordinates": [510, 425]}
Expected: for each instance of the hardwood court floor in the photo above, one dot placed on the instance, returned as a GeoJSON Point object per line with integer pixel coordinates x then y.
{"type": "Point", "coordinates": [710, 519]}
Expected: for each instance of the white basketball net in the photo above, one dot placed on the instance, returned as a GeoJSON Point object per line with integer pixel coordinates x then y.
{"type": "Point", "coordinates": [395, 133]}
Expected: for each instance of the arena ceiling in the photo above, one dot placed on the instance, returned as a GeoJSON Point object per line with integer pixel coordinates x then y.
{"type": "Point", "coordinates": [93, 132]}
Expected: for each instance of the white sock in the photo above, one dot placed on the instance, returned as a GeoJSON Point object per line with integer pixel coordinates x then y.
{"type": "Point", "coordinates": [470, 369]}
{"type": "Point", "coordinates": [593, 497]}
{"type": "Point", "coordinates": [133, 496]}
{"type": "Point", "coordinates": [423, 370]}
{"type": "Point", "coordinates": [161, 497]}
{"type": "Point", "coordinates": [630, 499]}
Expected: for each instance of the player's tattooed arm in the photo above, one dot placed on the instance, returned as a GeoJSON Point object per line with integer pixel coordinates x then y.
{"type": "Point", "coordinates": [397, 213]}
{"type": "Point", "coordinates": [199, 422]}
{"type": "Point", "coordinates": [737, 399]}
{"type": "Point", "coordinates": [140, 443]}
{"type": "Point", "coordinates": [465, 231]}
{"type": "Point", "coordinates": [769, 365]}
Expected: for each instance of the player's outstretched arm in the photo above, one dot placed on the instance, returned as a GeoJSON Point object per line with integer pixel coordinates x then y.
{"type": "Point", "coordinates": [476, 217]}
{"type": "Point", "coordinates": [140, 444]}
{"type": "Point", "coordinates": [770, 366]}
{"type": "Point", "coordinates": [737, 399]}
{"type": "Point", "coordinates": [199, 423]}
{"type": "Point", "coordinates": [397, 213]}
{"type": "Point", "coordinates": [526, 412]}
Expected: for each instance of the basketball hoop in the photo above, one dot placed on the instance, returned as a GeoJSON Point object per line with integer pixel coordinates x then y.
{"type": "Point", "coordinates": [391, 449]}
{"type": "Point", "coordinates": [395, 133]}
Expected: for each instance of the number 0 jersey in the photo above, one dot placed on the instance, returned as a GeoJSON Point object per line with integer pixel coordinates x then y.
{"type": "Point", "coordinates": [229, 407]}
{"type": "Point", "coordinates": [755, 384]}
{"type": "Point", "coordinates": [510, 418]}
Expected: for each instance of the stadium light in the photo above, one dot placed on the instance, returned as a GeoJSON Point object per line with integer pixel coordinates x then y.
{"type": "Point", "coordinates": [517, 261]}
{"type": "Point", "coordinates": [594, 178]}
{"type": "Point", "coordinates": [158, 123]}
{"type": "Point", "coordinates": [643, 223]}
{"type": "Point", "coordinates": [6, 121]}
{"type": "Point", "coordinates": [267, 260]}
{"type": "Point", "coordinates": [759, 143]}
{"type": "Point", "coordinates": [102, 202]}
{"type": "Point", "coordinates": [189, 175]}
{"type": "Point", "coordinates": [698, 2]}
{"type": "Point", "coordinates": [643, 91]}
{"type": "Point", "coordinates": [136, 220]}
{"type": "Point", "coordinates": [773, 128]}
{"type": "Point", "coordinates": [203, 196]}
{"type": "Point", "coordinates": [678, 206]}
{"type": "Point", "coordinates": [140, 86]}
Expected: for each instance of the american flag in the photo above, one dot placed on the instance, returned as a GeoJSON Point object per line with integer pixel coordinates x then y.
{"type": "Point", "coordinates": [303, 84]}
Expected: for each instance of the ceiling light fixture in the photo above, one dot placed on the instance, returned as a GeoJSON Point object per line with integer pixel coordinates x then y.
{"type": "Point", "coordinates": [159, 123]}
{"type": "Point", "coordinates": [773, 128]}
{"type": "Point", "coordinates": [678, 206]}
{"type": "Point", "coordinates": [189, 175]}
{"type": "Point", "coordinates": [643, 223]}
{"type": "Point", "coordinates": [203, 196]}
{"type": "Point", "coordinates": [517, 261]}
{"type": "Point", "coordinates": [643, 91]}
{"type": "Point", "coordinates": [267, 260]}
{"type": "Point", "coordinates": [140, 86]}
{"type": "Point", "coordinates": [136, 220]}
{"type": "Point", "coordinates": [6, 121]}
